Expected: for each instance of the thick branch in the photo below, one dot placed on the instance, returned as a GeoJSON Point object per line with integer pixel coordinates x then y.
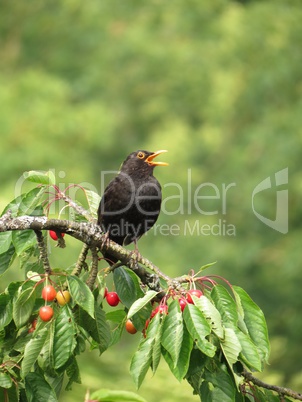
{"type": "Point", "coordinates": [280, 390]}
{"type": "Point", "coordinates": [92, 236]}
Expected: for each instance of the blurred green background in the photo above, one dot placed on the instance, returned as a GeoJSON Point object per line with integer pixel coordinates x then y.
{"type": "Point", "coordinates": [217, 83]}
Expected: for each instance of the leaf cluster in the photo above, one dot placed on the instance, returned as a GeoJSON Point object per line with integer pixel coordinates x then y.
{"type": "Point", "coordinates": [208, 344]}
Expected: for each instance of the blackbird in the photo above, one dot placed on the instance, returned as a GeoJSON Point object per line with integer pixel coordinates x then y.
{"type": "Point", "coordinates": [131, 202]}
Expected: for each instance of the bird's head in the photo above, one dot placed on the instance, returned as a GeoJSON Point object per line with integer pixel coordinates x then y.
{"type": "Point", "coordinates": [142, 162]}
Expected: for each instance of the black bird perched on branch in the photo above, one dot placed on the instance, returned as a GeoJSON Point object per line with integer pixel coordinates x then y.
{"type": "Point", "coordinates": [131, 202]}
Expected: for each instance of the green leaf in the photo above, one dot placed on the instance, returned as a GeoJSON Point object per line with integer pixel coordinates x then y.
{"type": "Point", "coordinates": [93, 199]}
{"type": "Point", "coordinates": [249, 354]}
{"type": "Point", "coordinates": [5, 380]}
{"type": "Point", "coordinates": [45, 358]}
{"type": "Point", "coordinates": [116, 316]}
{"type": "Point", "coordinates": [106, 395]}
{"type": "Point", "coordinates": [81, 294]}
{"type": "Point", "coordinates": [30, 202]}
{"type": "Point", "coordinates": [23, 306]}
{"type": "Point", "coordinates": [199, 329]}
{"type": "Point", "coordinates": [73, 373]}
{"type": "Point", "coordinates": [32, 350]}
{"type": "Point", "coordinates": [230, 346]}
{"type": "Point", "coordinates": [127, 286]}
{"type": "Point", "coordinates": [38, 389]}
{"type": "Point", "coordinates": [23, 240]}
{"type": "Point", "coordinates": [211, 314]}
{"type": "Point", "coordinates": [223, 383]}
{"type": "Point", "coordinates": [141, 302]}
{"type": "Point", "coordinates": [6, 310]}
{"type": "Point", "coordinates": [116, 333]}
{"type": "Point", "coordinates": [7, 258]}
{"type": "Point", "coordinates": [172, 336]}
{"type": "Point", "coordinates": [13, 288]}
{"type": "Point", "coordinates": [12, 394]}
{"type": "Point", "coordinates": [56, 382]}
{"type": "Point", "coordinates": [13, 206]}
{"type": "Point", "coordinates": [225, 304]}
{"type": "Point", "coordinates": [40, 177]}
{"type": "Point", "coordinates": [255, 323]}
{"type": "Point", "coordinates": [207, 266]}
{"type": "Point", "coordinates": [5, 241]}
{"type": "Point", "coordinates": [103, 329]}
{"type": "Point", "coordinates": [64, 337]}
{"type": "Point", "coordinates": [156, 351]}
{"type": "Point", "coordinates": [142, 358]}
{"type": "Point", "coordinates": [180, 370]}
{"type": "Point", "coordinates": [97, 328]}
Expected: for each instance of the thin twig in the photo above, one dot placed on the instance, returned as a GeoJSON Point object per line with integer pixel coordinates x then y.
{"type": "Point", "coordinates": [280, 390]}
{"type": "Point", "coordinates": [81, 260]}
{"type": "Point", "coordinates": [43, 252]}
{"type": "Point", "coordinates": [94, 268]}
{"type": "Point", "coordinates": [80, 210]}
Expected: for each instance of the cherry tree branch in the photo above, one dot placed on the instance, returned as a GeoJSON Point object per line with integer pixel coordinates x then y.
{"type": "Point", "coordinates": [282, 391]}
{"type": "Point", "coordinates": [92, 236]}
{"type": "Point", "coordinates": [43, 252]}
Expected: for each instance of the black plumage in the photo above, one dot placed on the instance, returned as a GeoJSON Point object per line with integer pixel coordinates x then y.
{"type": "Point", "coordinates": [131, 202]}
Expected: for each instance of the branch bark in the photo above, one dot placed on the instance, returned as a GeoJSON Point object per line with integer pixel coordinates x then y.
{"type": "Point", "coordinates": [282, 391]}
{"type": "Point", "coordinates": [90, 234]}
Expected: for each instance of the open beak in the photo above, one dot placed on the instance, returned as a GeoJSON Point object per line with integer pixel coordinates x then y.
{"type": "Point", "coordinates": [150, 158]}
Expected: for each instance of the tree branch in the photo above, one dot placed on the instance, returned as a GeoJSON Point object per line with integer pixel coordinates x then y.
{"type": "Point", "coordinates": [94, 268]}
{"type": "Point", "coordinates": [43, 252]}
{"type": "Point", "coordinates": [81, 261]}
{"type": "Point", "coordinates": [92, 236]}
{"type": "Point", "coordinates": [282, 391]}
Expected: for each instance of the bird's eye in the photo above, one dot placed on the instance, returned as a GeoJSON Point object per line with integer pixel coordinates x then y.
{"type": "Point", "coordinates": [140, 155]}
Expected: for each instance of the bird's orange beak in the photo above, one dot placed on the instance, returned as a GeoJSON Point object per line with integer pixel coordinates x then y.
{"type": "Point", "coordinates": [150, 158]}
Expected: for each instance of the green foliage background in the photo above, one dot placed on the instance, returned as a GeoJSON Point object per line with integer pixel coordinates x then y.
{"type": "Point", "coordinates": [217, 83]}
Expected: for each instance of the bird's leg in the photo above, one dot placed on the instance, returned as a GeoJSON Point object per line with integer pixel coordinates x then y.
{"type": "Point", "coordinates": [136, 250]}
{"type": "Point", "coordinates": [106, 240]}
{"type": "Point", "coordinates": [137, 255]}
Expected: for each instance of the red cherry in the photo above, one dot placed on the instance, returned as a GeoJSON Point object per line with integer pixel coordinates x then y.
{"type": "Point", "coordinates": [54, 235]}
{"type": "Point", "coordinates": [49, 293]}
{"type": "Point", "coordinates": [193, 292]}
{"type": "Point", "coordinates": [46, 313]}
{"type": "Point", "coordinates": [130, 327]}
{"type": "Point", "coordinates": [112, 299]}
{"type": "Point", "coordinates": [182, 302]}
